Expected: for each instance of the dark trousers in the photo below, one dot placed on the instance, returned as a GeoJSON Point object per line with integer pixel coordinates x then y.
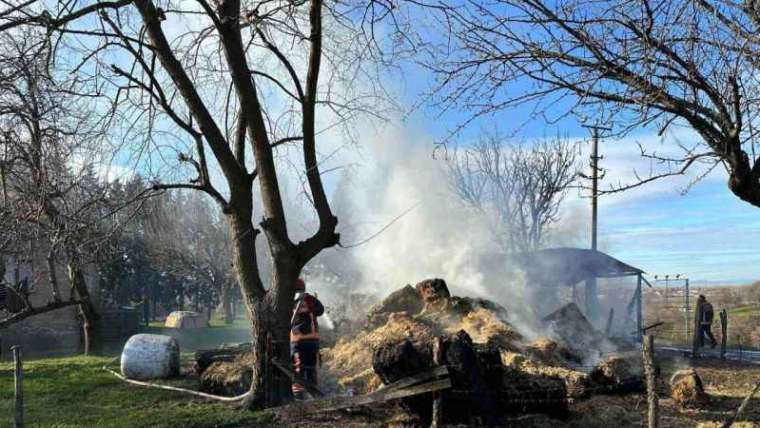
{"type": "Point", "coordinates": [706, 330]}
{"type": "Point", "coordinates": [305, 355]}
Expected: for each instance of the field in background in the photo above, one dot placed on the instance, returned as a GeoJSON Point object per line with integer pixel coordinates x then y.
{"type": "Point", "coordinates": [741, 302]}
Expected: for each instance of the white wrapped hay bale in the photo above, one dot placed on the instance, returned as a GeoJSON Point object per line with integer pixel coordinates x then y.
{"type": "Point", "coordinates": [150, 356]}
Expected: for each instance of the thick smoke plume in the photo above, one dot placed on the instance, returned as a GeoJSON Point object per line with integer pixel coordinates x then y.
{"type": "Point", "coordinates": [401, 223]}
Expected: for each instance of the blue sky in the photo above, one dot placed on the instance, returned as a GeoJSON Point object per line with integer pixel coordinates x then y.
{"type": "Point", "coordinates": [707, 233]}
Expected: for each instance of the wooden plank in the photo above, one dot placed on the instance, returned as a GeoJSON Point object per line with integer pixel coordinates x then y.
{"type": "Point", "coordinates": [379, 396]}
{"type": "Point", "coordinates": [438, 371]}
{"type": "Point", "coordinates": [311, 387]}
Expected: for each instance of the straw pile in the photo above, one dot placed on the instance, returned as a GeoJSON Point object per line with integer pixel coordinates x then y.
{"type": "Point", "coordinates": [350, 360]}
{"type": "Point", "coordinates": [228, 378]}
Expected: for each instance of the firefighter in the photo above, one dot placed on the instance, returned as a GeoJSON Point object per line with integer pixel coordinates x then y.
{"type": "Point", "coordinates": [705, 314]}
{"type": "Point", "coordinates": [304, 338]}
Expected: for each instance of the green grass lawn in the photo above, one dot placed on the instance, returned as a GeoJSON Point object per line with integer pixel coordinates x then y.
{"type": "Point", "coordinates": [76, 392]}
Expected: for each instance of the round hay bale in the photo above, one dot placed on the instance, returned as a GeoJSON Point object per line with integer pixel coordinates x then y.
{"type": "Point", "coordinates": [185, 319]}
{"type": "Point", "coordinates": [405, 299]}
{"type": "Point", "coordinates": [150, 356]}
{"type": "Point", "coordinates": [687, 390]}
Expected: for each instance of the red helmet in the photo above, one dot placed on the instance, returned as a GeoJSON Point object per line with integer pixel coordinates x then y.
{"type": "Point", "coordinates": [300, 285]}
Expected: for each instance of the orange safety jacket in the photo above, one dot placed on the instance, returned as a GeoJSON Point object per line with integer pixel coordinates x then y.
{"type": "Point", "coordinates": [303, 324]}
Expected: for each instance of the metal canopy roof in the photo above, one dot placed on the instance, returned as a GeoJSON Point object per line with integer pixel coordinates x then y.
{"type": "Point", "coordinates": [554, 267]}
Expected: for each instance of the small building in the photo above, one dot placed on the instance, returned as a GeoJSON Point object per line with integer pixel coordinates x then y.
{"type": "Point", "coordinates": [549, 270]}
{"type": "Point", "coordinates": [53, 333]}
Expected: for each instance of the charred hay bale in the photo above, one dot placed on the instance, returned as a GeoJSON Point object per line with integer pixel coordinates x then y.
{"type": "Point", "coordinates": [433, 290]}
{"type": "Point", "coordinates": [228, 378]}
{"type": "Point", "coordinates": [686, 389]}
{"type": "Point", "coordinates": [475, 372]}
{"type": "Point", "coordinates": [576, 383]}
{"type": "Point", "coordinates": [526, 393]}
{"type": "Point", "coordinates": [396, 360]}
{"type": "Point", "coordinates": [406, 300]}
{"type": "Point", "coordinates": [618, 375]}
{"type": "Point", "coordinates": [477, 395]}
{"type": "Point", "coordinates": [227, 353]}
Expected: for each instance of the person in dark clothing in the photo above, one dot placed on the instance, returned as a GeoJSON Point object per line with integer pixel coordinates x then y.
{"type": "Point", "coordinates": [705, 318]}
{"type": "Point", "coordinates": [304, 339]}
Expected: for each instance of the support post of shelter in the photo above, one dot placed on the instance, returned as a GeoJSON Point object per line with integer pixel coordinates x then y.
{"type": "Point", "coordinates": [639, 317]}
{"type": "Point", "coordinates": [591, 299]}
{"type": "Point", "coordinates": [608, 327]}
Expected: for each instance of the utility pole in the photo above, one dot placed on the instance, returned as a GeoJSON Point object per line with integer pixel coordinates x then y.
{"type": "Point", "coordinates": [594, 185]}
{"type": "Point", "coordinates": [592, 300]}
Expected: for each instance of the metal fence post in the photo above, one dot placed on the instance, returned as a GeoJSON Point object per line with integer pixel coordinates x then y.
{"type": "Point", "coordinates": [18, 416]}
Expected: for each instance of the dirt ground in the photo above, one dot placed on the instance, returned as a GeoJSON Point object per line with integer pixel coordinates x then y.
{"type": "Point", "coordinates": [727, 383]}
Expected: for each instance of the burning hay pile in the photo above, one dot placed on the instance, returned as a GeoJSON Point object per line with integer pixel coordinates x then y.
{"type": "Point", "coordinates": [494, 371]}
{"type": "Point", "coordinates": [686, 389]}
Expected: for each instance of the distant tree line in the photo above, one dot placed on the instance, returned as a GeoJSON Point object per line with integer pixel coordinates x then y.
{"type": "Point", "coordinates": [174, 255]}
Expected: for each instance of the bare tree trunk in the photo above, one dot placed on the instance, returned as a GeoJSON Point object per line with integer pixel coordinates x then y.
{"type": "Point", "coordinates": [87, 312]}
{"type": "Point", "coordinates": [269, 317]}
{"type": "Point", "coordinates": [281, 306]}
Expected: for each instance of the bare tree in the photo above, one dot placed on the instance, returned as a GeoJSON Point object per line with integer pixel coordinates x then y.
{"type": "Point", "coordinates": [519, 187]}
{"type": "Point", "coordinates": [54, 206]}
{"type": "Point", "coordinates": [626, 63]}
{"type": "Point", "coordinates": [227, 80]}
